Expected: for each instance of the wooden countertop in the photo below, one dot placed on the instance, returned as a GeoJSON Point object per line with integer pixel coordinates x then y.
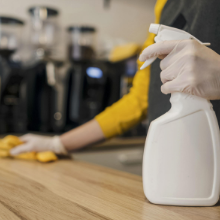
{"type": "Point", "coordinates": [75, 190]}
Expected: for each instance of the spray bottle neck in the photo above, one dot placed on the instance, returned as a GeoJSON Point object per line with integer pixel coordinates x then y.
{"type": "Point", "coordinates": [182, 101]}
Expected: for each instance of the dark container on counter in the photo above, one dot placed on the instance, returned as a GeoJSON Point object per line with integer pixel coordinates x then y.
{"type": "Point", "coordinates": [12, 97]}
{"type": "Point", "coordinates": [81, 43]}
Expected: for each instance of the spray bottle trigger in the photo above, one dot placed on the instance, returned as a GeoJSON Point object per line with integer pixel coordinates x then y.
{"type": "Point", "coordinates": [157, 39]}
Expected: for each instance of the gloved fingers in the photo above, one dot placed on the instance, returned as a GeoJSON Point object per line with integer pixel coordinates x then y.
{"type": "Point", "coordinates": [171, 86]}
{"type": "Point", "coordinates": [29, 137]}
{"type": "Point", "coordinates": [173, 58]}
{"type": "Point", "coordinates": [161, 56]}
{"type": "Point", "coordinates": [22, 149]}
{"type": "Point", "coordinates": [158, 49]}
{"type": "Point", "coordinates": [171, 72]}
{"type": "Point", "coordinates": [26, 137]}
{"type": "Point", "coordinates": [167, 75]}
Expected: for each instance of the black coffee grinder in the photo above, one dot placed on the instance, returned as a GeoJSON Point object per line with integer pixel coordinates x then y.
{"type": "Point", "coordinates": [47, 75]}
{"type": "Point", "coordinates": [12, 87]}
{"type": "Point", "coordinates": [89, 77]}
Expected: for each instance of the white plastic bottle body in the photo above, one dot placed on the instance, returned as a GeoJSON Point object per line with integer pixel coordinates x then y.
{"type": "Point", "coordinates": [181, 163]}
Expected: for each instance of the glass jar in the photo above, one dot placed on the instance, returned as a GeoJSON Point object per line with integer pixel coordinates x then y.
{"type": "Point", "coordinates": [44, 29]}
{"type": "Point", "coordinates": [81, 43]}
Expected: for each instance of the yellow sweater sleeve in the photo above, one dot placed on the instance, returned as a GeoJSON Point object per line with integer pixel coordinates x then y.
{"type": "Point", "coordinates": [132, 108]}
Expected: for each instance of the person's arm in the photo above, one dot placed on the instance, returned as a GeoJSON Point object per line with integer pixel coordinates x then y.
{"type": "Point", "coordinates": [84, 135]}
{"type": "Point", "coordinates": [115, 120]}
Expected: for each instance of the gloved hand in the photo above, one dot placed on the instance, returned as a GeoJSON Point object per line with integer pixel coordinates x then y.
{"type": "Point", "coordinates": [187, 66]}
{"type": "Point", "coordinates": [38, 143]}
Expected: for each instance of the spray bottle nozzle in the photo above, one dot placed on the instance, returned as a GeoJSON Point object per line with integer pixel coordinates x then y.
{"type": "Point", "coordinates": [168, 33]}
{"type": "Point", "coordinates": [154, 28]}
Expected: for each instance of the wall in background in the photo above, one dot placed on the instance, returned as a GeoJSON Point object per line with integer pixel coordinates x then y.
{"type": "Point", "coordinates": [127, 19]}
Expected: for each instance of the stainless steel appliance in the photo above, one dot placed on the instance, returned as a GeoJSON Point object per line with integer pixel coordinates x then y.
{"type": "Point", "coordinates": [12, 86]}
{"type": "Point", "coordinates": [94, 84]}
{"type": "Point", "coordinates": [46, 76]}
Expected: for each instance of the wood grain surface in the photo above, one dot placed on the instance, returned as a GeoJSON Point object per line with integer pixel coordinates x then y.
{"type": "Point", "coordinates": [75, 190]}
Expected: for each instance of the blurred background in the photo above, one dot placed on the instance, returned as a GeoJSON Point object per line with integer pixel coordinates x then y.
{"type": "Point", "coordinates": [63, 62]}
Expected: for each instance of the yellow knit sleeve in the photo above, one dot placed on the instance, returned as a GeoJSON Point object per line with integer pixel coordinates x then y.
{"type": "Point", "coordinates": [132, 108]}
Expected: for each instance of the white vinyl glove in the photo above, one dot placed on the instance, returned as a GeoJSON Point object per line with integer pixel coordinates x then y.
{"type": "Point", "coordinates": [187, 66]}
{"type": "Point", "coordinates": [38, 143]}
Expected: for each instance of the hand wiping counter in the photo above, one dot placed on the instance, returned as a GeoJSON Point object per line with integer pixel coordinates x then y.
{"type": "Point", "coordinates": [181, 159]}
{"type": "Point", "coordinates": [10, 141]}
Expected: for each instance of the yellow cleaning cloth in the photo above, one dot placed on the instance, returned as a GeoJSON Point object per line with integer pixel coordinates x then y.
{"type": "Point", "coordinates": [11, 141]}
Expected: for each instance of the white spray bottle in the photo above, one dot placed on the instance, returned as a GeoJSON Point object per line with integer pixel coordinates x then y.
{"type": "Point", "coordinates": [181, 164]}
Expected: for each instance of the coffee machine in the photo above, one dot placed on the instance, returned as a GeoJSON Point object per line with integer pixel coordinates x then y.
{"type": "Point", "coordinates": [94, 83]}
{"type": "Point", "coordinates": [12, 86]}
{"type": "Point", "coordinates": [47, 76]}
